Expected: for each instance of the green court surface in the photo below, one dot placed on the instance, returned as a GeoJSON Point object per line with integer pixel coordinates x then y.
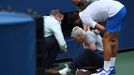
{"type": "Point", "coordinates": [124, 64]}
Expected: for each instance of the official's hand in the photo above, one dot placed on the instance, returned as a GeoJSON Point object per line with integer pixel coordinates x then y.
{"type": "Point", "coordinates": [64, 48]}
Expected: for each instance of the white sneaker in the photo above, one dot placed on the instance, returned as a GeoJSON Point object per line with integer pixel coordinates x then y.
{"type": "Point", "coordinates": [102, 72]}
{"type": "Point", "coordinates": [97, 70]}
{"type": "Point", "coordinates": [64, 71]}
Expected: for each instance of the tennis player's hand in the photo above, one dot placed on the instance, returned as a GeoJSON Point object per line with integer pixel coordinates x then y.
{"type": "Point", "coordinates": [100, 27]}
{"type": "Point", "coordinates": [96, 31]}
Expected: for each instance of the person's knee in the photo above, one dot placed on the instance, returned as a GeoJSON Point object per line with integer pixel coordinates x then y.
{"type": "Point", "coordinates": [106, 37]}
{"type": "Point", "coordinates": [114, 42]}
{"type": "Point", "coordinates": [105, 40]}
{"type": "Point", "coordinates": [114, 39]}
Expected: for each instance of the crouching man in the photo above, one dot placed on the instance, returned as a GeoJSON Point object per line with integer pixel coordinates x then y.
{"type": "Point", "coordinates": [91, 56]}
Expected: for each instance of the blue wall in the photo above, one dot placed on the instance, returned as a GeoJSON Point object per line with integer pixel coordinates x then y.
{"type": "Point", "coordinates": [17, 44]}
{"type": "Point", "coordinates": [41, 6]}
{"type": "Point", "coordinates": [126, 39]}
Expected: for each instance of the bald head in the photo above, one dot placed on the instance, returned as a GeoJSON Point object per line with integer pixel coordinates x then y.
{"type": "Point", "coordinates": [57, 14]}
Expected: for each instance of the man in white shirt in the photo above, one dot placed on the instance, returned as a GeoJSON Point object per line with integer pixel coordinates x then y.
{"type": "Point", "coordinates": [80, 6]}
{"type": "Point", "coordinates": [91, 56]}
{"type": "Point", "coordinates": [54, 39]}
{"type": "Point", "coordinates": [113, 12]}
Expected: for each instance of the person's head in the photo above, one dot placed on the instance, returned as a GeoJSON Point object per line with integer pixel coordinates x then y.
{"type": "Point", "coordinates": [57, 14]}
{"type": "Point", "coordinates": [76, 1]}
{"type": "Point", "coordinates": [79, 2]}
{"type": "Point", "coordinates": [78, 34]}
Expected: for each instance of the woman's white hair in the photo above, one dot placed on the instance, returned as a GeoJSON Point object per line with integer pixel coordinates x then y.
{"type": "Point", "coordinates": [76, 31]}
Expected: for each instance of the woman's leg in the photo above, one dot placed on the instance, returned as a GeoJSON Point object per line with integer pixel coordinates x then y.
{"type": "Point", "coordinates": [88, 58]}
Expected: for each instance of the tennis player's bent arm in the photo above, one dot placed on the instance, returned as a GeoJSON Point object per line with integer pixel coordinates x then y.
{"type": "Point", "coordinates": [95, 25]}
{"type": "Point", "coordinates": [89, 21]}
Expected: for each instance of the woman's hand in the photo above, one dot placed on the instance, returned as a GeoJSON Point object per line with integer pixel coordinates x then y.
{"type": "Point", "coordinates": [92, 46]}
{"type": "Point", "coordinates": [86, 27]}
{"type": "Point", "coordinates": [84, 46]}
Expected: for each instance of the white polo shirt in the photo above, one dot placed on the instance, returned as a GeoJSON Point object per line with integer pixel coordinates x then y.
{"type": "Point", "coordinates": [53, 27]}
{"type": "Point", "coordinates": [99, 11]}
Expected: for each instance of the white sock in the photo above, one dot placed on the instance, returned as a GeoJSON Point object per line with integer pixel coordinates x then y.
{"type": "Point", "coordinates": [112, 61]}
{"type": "Point", "coordinates": [106, 65]}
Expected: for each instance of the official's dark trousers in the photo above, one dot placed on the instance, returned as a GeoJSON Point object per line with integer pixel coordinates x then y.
{"type": "Point", "coordinates": [88, 58]}
{"type": "Point", "coordinates": [50, 52]}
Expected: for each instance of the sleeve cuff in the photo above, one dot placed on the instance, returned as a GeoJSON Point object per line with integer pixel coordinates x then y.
{"type": "Point", "coordinates": [93, 24]}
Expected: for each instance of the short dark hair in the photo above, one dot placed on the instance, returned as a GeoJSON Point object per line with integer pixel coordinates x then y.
{"type": "Point", "coordinates": [55, 12]}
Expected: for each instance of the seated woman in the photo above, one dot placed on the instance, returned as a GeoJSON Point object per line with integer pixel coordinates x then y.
{"type": "Point", "coordinates": [91, 56]}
